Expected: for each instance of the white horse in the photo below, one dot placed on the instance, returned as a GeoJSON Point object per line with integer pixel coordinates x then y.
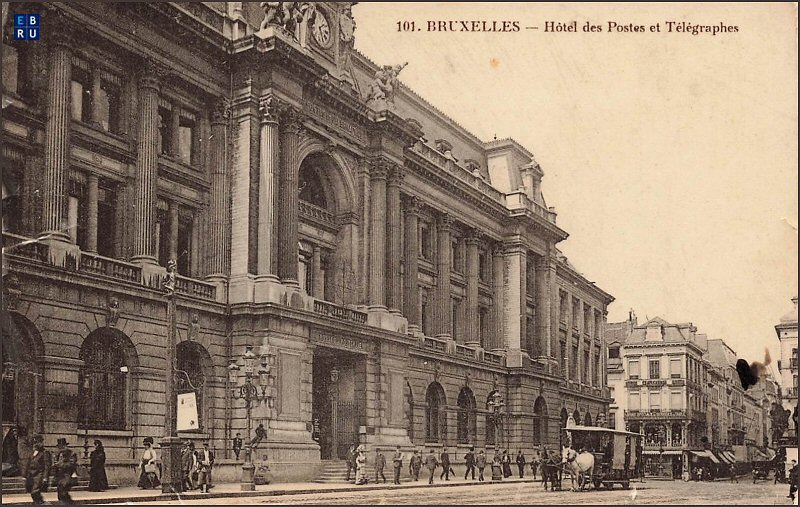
{"type": "Point", "coordinates": [578, 464]}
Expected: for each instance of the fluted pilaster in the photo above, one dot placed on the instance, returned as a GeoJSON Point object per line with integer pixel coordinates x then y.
{"type": "Point", "coordinates": [393, 293]}
{"type": "Point", "coordinates": [514, 277]}
{"type": "Point", "coordinates": [444, 318]}
{"type": "Point", "coordinates": [411, 255]}
{"type": "Point", "coordinates": [472, 321]}
{"type": "Point", "coordinates": [91, 214]}
{"type": "Point", "coordinates": [377, 253]}
{"type": "Point", "coordinates": [146, 168]}
{"type": "Point", "coordinates": [498, 288]}
{"type": "Point", "coordinates": [220, 191]}
{"type": "Point", "coordinates": [173, 231]}
{"type": "Point", "coordinates": [56, 141]}
{"type": "Point", "coordinates": [268, 163]}
{"type": "Point", "coordinates": [288, 195]}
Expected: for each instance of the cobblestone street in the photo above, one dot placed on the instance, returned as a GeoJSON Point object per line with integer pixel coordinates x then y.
{"type": "Point", "coordinates": [648, 493]}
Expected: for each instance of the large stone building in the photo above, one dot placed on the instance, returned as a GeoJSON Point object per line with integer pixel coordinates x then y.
{"type": "Point", "coordinates": [787, 366]}
{"type": "Point", "coordinates": [681, 391]}
{"type": "Point", "coordinates": [389, 272]}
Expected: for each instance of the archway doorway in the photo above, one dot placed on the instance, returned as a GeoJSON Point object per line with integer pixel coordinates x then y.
{"type": "Point", "coordinates": [22, 372]}
{"type": "Point", "coordinates": [466, 417]}
{"type": "Point", "coordinates": [539, 421]}
{"type": "Point", "coordinates": [194, 364]}
{"type": "Point", "coordinates": [435, 414]}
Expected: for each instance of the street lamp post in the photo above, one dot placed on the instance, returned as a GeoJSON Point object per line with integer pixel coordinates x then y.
{"type": "Point", "coordinates": [496, 404]}
{"type": "Point", "coordinates": [86, 386]}
{"type": "Point", "coordinates": [172, 476]}
{"type": "Point", "coordinates": [249, 392]}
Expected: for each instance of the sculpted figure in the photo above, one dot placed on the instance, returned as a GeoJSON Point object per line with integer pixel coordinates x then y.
{"type": "Point", "coordinates": [273, 13]}
{"type": "Point", "coordinates": [385, 83]}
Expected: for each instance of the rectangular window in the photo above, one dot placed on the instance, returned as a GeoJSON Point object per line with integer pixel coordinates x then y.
{"type": "Point", "coordinates": [563, 358]}
{"type": "Point", "coordinates": [586, 367]}
{"type": "Point", "coordinates": [655, 369]}
{"type": "Point", "coordinates": [655, 400]}
{"type": "Point", "coordinates": [185, 246]}
{"type": "Point", "coordinates": [575, 303]}
{"type": "Point", "coordinates": [530, 336]}
{"type": "Point", "coordinates": [633, 369]}
{"type": "Point", "coordinates": [81, 95]}
{"type": "Point", "coordinates": [634, 401]}
{"type": "Point", "coordinates": [483, 266]}
{"type": "Point", "coordinates": [424, 317]}
{"type": "Point", "coordinates": [162, 233]}
{"type": "Point", "coordinates": [426, 242]}
{"type": "Point", "coordinates": [12, 199]}
{"type": "Point", "coordinates": [574, 363]}
{"type": "Point", "coordinates": [675, 367]}
{"type": "Point", "coordinates": [164, 131]}
{"type": "Point", "coordinates": [106, 219]}
{"type": "Point", "coordinates": [186, 138]}
{"type": "Point", "coordinates": [304, 271]}
{"type": "Point", "coordinates": [562, 307]}
{"type": "Point", "coordinates": [10, 68]}
{"type": "Point", "coordinates": [108, 104]}
{"type": "Point", "coordinates": [613, 353]}
{"type": "Point", "coordinates": [76, 211]}
{"type": "Point", "coordinates": [454, 311]}
{"type": "Point", "coordinates": [676, 400]}
{"type": "Point", "coordinates": [483, 322]}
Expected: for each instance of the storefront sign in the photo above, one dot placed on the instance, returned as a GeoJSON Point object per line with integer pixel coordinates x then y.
{"type": "Point", "coordinates": [337, 121]}
{"type": "Point", "coordinates": [340, 342]}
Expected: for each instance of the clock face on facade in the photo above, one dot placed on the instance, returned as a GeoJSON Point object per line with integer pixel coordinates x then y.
{"type": "Point", "coordinates": [321, 30]}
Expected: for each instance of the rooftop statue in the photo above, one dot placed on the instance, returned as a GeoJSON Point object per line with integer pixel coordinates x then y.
{"type": "Point", "coordinates": [291, 16]}
{"type": "Point", "coordinates": [385, 84]}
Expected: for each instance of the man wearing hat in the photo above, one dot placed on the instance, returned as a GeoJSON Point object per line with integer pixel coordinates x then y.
{"type": "Point", "coordinates": [37, 474]}
{"type": "Point", "coordinates": [415, 465]}
{"type": "Point", "coordinates": [66, 467]}
{"type": "Point", "coordinates": [205, 459]}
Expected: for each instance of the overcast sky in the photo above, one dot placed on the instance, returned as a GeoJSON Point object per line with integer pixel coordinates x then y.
{"type": "Point", "coordinates": [670, 157]}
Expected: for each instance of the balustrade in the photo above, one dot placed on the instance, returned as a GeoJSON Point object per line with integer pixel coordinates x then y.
{"type": "Point", "coordinates": [339, 312]}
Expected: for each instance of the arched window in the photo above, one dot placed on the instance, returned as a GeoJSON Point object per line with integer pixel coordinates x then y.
{"type": "Point", "coordinates": [309, 183]}
{"type": "Point", "coordinates": [587, 420]}
{"type": "Point", "coordinates": [102, 380]}
{"type": "Point", "coordinates": [435, 415]}
{"type": "Point", "coordinates": [21, 351]}
{"type": "Point", "coordinates": [577, 416]}
{"type": "Point", "coordinates": [466, 416]}
{"type": "Point", "coordinates": [192, 359]}
{"type": "Point", "coordinates": [539, 421]}
{"type": "Point", "coordinates": [564, 418]}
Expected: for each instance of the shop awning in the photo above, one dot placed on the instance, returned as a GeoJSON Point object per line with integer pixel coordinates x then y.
{"type": "Point", "coordinates": [666, 453]}
{"type": "Point", "coordinates": [705, 454]}
{"type": "Point", "coordinates": [730, 456]}
{"type": "Point", "coordinates": [722, 457]}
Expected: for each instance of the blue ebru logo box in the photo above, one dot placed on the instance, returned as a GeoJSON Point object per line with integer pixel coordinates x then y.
{"type": "Point", "coordinates": [26, 27]}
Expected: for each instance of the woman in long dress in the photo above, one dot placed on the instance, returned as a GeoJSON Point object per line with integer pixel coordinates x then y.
{"type": "Point", "coordinates": [506, 461]}
{"type": "Point", "coordinates": [148, 477]}
{"type": "Point", "coordinates": [361, 466]}
{"type": "Point", "coordinates": [98, 481]}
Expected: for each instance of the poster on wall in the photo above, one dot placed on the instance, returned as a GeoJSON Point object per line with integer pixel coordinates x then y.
{"type": "Point", "coordinates": [187, 412]}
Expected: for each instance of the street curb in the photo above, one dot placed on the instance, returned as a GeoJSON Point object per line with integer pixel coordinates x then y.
{"type": "Point", "coordinates": [282, 492]}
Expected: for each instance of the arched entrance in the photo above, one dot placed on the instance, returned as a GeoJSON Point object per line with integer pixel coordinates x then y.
{"type": "Point", "coordinates": [564, 417]}
{"type": "Point", "coordinates": [467, 425]}
{"type": "Point", "coordinates": [435, 414]}
{"type": "Point", "coordinates": [539, 421]}
{"type": "Point", "coordinates": [22, 371]}
{"type": "Point", "coordinates": [194, 367]}
{"type": "Point", "coordinates": [587, 419]}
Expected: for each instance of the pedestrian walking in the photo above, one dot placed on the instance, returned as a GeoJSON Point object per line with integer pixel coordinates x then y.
{"type": "Point", "coordinates": [521, 463]}
{"type": "Point", "coordinates": [469, 462]}
{"type": "Point", "coordinates": [188, 465]}
{"type": "Point", "coordinates": [237, 445]}
{"type": "Point", "coordinates": [505, 460]}
{"type": "Point", "coordinates": [793, 477]}
{"type": "Point", "coordinates": [480, 462]}
{"type": "Point", "coordinates": [65, 471]}
{"type": "Point", "coordinates": [205, 461]}
{"type": "Point", "coordinates": [11, 453]}
{"type": "Point", "coordinates": [445, 462]}
{"type": "Point", "coordinates": [361, 465]}
{"type": "Point", "coordinates": [98, 481]}
{"type": "Point", "coordinates": [24, 448]}
{"type": "Point", "coordinates": [350, 458]}
{"type": "Point", "coordinates": [380, 463]}
{"type": "Point", "coordinates": [415, 465]}
{"type": "Point", "coordinates": [148, 478]}
{"type": "Point", "coordinates": [734, 478]}
{"type": "Point", "coordinates": [37, 471]}
{"type": "Point", "coordinates": [534, 466]}
{"type": "Point", "coordinates": [397, 464]}
{"type": "Point", "coordinates": [431, 462]}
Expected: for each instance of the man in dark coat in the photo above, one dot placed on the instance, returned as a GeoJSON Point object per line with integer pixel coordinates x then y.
{"type": "Point", "coordinates": [793, 476]}
{"type": "Point", "coordinates": [380, 464]}
{"type": "Point", "coordinates": [10, 453]}
{"type": "Point", "coordinates": [521, 463]}
{"type": "Point", "coordinates": [237, 445]}
{"type": "Point", "coordinates": [415, 465]}
{"type": "Point", "coordinates": [188, 465]}
{"type": "Point", "coordinates": [480, 461]}
{"type": "Point", "coordinates": [66, 467]}
{"type": "Point", "coordinates": [431, 463]}
{"type": "Point", "coordinates": [350, 458]}
{"type": "Point", "coordinates": [205, 460]}
{"type": "Point", "coordinates": [397, 464]}
{"type": "Point", "coordinates": [445, 461]}
{"type": "Point", "coordinates": [469, 462]}
{"type": "Point", "coordinates": [37, 471]}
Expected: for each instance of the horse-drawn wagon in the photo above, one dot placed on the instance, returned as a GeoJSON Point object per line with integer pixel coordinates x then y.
{"type": "Point", "coordinates": [600, 456]}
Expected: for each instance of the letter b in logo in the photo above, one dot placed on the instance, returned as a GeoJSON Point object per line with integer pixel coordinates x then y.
{"type": "Point", "coordinates": [26, 27]}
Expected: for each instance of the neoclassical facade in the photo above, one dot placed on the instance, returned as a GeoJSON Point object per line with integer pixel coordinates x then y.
{"type": "Point", "coordinates": [390, 271]}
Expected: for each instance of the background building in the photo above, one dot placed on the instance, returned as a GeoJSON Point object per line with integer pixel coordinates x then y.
{"type": "Point", "coordinates": [391, 276]}
{"type": "Point", "coordinates": [787, 366]}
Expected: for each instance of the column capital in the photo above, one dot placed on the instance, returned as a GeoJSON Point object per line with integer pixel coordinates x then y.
{"type": "Point", "coordinates": [396, 174]}
{"type": "Point", "coordinates": [152, 74]}
{"type": "Point", "coordinates": [221, 111]}
{"type": "Point", "coordinates": [270, 108]}
{"type": "Point", "coordinates": [498, 249]}
{"type": "Point", "coordinates": [413, 205]}
{"type": "Point", "coordinates": [445, 222]}
{"type": "Point", "coordinates": [290, 118]}
{"type": "Point", "coordinates": [347, 218]}
{"type": "Point", "coordinates": [472, 237]}
{"type": "Point", "coordinates": [378, 168]}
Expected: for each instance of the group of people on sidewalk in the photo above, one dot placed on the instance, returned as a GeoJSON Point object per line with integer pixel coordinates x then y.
{"type": "Point", "coordinates": [196, 466]}
{"type": "Point", "coordinates": [357, 462]}
{"type": "Point", "coordinates": [28, 458]}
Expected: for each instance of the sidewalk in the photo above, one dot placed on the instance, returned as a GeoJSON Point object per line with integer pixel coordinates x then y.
{"type": "Point", "coordinates": [134, 494]}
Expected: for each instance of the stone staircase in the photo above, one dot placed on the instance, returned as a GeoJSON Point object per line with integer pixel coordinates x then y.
{"type": "Point", "coordinates": [335, 472]}
{"type": "Point", "coordinates": [16, 485]}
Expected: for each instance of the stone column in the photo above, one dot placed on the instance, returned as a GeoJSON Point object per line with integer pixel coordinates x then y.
{"type": "Point", "coordinates": [220, 192]}
{"type": "Point", "coordinates": [317, 287]}
{"type": "Point", "coordinates": [393, 293]}
{"type": "Point", "coordinates": [497, 341]}
{"type": "Point", "coordinates": [603, 351]}
{"type": "Point", "coordinates": [288, 197]}
{"type": "Point", "coordinates": [146, 170]}
{"type": "Point", "coordinates": [581, 367]}
{"type": "Point", "coordinates": [245, 130]}
{"type": "Point", "coordinates": [377, 245]}
{"type": "Point", "coordinates": [548, 264]}
{"type": "Point", "coordinates": [173, 231]}
{"type": "Point", "coordinates": [473, 337]}
{"type": "Point", "coordinates": [513, 280]}
{"type": "Point", "coordinates": [443, 324]}
{"type": "Point", "coordinates": [91, 215]}
{"type": "Point", "coordinates": [411, 254]}
{"type": "Point", "coordinates": [174, 132]}
{"type": "Point", "coordinates": [268, 162]}
{"type": "Point", "coordinates": [56, 141]}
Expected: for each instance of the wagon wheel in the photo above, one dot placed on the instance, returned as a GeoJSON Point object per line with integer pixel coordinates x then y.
{"type": "Point", "coordinates": [626, 484]}
{"type": "Point", "coordinates": [597, 483]}
{"type": "Point", "coordinates": [608, 485]}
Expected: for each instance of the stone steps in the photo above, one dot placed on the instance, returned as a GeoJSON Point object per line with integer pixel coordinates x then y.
{"type": "Point", "coordinates": [16, 485]}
